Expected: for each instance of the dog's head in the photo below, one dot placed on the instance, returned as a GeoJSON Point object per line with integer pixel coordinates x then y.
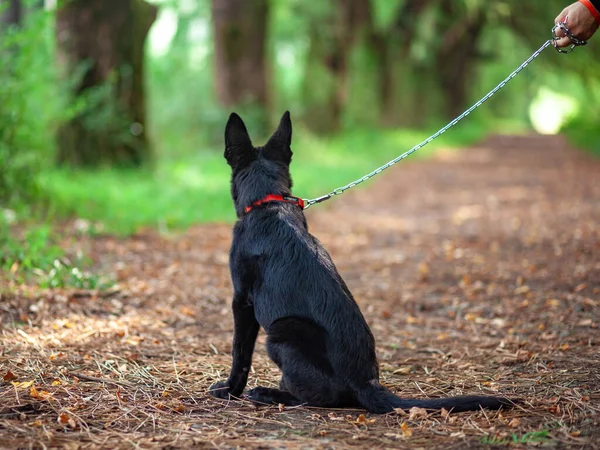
{"type": "Point", "coordinates": [258, 171]}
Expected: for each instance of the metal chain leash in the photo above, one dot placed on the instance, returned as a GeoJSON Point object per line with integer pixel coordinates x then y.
{"type": "Point", "coordinates": [338, 191]}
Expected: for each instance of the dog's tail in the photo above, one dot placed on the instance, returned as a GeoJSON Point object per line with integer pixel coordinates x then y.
{"type": "Point", "coordinates": [377, 399]}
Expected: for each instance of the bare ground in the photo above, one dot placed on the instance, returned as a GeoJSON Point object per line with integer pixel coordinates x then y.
{"type": "Point", "coordinates": [478, 271]}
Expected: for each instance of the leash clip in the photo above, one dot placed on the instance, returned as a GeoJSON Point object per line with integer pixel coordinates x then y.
{"type": "Point", "coordinates": [575, 41]}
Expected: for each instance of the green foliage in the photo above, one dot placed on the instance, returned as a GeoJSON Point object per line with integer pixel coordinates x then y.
{"type": "Point", "coordinates": [28, 107]}
{"type": "Point", "coordinates": [36, 258]}
{"type": "Point", "coordinates": [583, 128]}
{"type": "Point", "coordinates": [584, 133]}
{"type": "Point", "coordinates": [534, 437]}
{"type": "Point", "coordinates": [194, 187]}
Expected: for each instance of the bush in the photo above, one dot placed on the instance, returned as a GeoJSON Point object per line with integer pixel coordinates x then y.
{"type": "Point", "coordinates": [28, 107]}
{"type": "Point", "coordinates": [35, 257]}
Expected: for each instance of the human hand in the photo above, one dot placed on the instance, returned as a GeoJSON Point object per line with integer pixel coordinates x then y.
{"type": "Point", "coordinates": [580, 21]}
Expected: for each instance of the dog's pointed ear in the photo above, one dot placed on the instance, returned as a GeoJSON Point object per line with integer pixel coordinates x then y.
{"type": "Point", "coordinates": [238, 146]}
{"type": "Point", "coordinates": [278, 148]}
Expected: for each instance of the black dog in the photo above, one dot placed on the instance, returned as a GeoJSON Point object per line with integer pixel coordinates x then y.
{"type": "Point", "coordinates": [285, 281]}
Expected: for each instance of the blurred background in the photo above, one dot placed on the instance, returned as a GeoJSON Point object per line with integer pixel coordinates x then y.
{"type": "Point", "coordinates": [112, 111]}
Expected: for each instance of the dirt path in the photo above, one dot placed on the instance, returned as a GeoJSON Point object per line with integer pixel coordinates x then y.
{"type": "Point", "coordinates": [478, 271]}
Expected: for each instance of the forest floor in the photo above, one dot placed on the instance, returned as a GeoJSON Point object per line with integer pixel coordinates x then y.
{"type": "Point", "coordinates": [477, 270]}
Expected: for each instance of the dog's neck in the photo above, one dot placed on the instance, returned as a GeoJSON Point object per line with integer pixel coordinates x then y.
{"type": "Point", "coordinates": [255, 184]}
{"type": "Point", "coordinates": [275, 198]}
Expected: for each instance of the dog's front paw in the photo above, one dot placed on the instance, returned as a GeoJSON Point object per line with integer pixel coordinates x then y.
{"type": "Point", "coordinates": [220, 389]}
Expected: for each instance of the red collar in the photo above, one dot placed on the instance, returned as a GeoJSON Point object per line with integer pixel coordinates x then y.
{"type": "Point", "coordinates": [276, 198]}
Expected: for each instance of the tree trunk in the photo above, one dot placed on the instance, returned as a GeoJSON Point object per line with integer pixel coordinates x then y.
{"type": "Point", "coordinates": [392, 50]}
{"type": "Point", "coordinates": [240, 30]}
{"type": "Point", "coordinates": [13, 13]}
{"type": "Point", "coordinates": [455, 61]}
{"type": "Point", "coordinates": [332, 40]}
{"type": "Point", "coordinates": [105, 39]}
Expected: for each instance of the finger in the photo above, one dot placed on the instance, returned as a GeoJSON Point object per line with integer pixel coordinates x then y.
{"type": "Point", "coordinates": [562, 42]}
{"type": "Point", "coordinates": [561, 17]}
{"type": "Point", "coordinates": [560, 32]}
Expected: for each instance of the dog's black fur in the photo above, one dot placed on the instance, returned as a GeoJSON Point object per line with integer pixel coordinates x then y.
{"type": "Point", "coordinates": [285, 281]}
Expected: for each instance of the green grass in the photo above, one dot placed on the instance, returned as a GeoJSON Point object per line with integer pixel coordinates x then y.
{"type": "Point", "coordinates": [194, 186]}
{"type": "Point", "coordinates": [175, 195]}
{"type": "Point", "coordinates": [527, 438]}
{"type": "Point", "coordinates": [35, 257]}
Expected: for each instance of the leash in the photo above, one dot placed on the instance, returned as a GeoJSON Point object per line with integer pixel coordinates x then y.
{"type": "Point", "coordinates": [561, 25]}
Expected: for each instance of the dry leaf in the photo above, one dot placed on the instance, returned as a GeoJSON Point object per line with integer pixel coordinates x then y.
{"type": "Point", "coordinates": [400, 412]}
{"type": "Point", "coordinates": [56, 383]}
{"type": "Point", "coordinates": [118, 395]}
{"type": "Point", "coordinates": [22, 384]}
{"type": "Point", "coordinates": [443, 336]}
{"type": "Point", "coordinates": [281, 407]}
{"type": "Point", "coordinates": [522, 290]}
{"type": "Point", "coordinates": [514, 423]}
{"type": "Point", "coordinates": [406, 432]}
{"type": "Point", "coordinates": [39, 395]}
{"type": "Point", "coordinates": [553, 303]}
{"type": "Point", "coordinates": [66, 420]}
{"type": "Point", "coordinates": [470, 317]}
{"type": "Point", "coordinates": [403, 370]}
{"type": "Point", "coordinates": [417, 413]}
{"type": "Point", "coordinates": [362, 420]}
{"type": "Point", "coordinates": [186, 310]}
{"type": "Point", "coordinates": [424, 270]}
{"type": "Point", "coordinates": [465, 280]}
{"type": "Point", "coordinates": [445, 413]}
{"type": "Point", "coordinates": [393, 435]}
{"type": "Point", "coordinates": [9, 376]}
{"type": "Point", "coordinates": [180, 408]}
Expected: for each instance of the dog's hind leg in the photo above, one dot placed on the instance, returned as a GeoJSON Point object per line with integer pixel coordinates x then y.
{"type": "Point", "coordinates": [298, 346]}
{"type": "Point", "coordinates": [272, 396]}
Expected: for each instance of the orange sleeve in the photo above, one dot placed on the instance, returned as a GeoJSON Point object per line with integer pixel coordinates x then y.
{"type": "Point", "coordinates": [594, 7]}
